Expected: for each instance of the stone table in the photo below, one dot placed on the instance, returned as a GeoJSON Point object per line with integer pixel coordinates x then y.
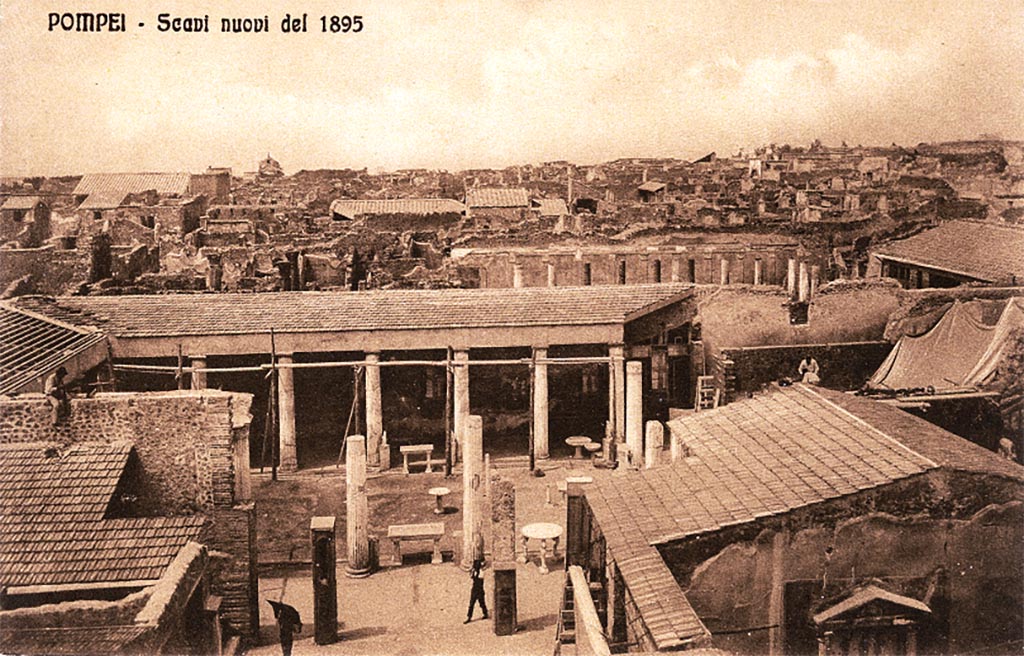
{"type": "Point", "coordinates": [542, 531]}
{"type": "Point", "coordinates": [439, 494]}
{"type": "Point", "coordinates": [578, 441]}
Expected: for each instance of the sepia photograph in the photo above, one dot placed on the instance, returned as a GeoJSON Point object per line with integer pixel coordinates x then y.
{"type": "Point", "coordinates": [511, 327]}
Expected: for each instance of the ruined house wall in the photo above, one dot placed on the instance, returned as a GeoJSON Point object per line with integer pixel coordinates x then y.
{"type": "Point", "coordinates": [185, 445]}
{"type": "Point", "coordinates": [966, 568]}
{"type": "Point", "coordinates": [52, 271]}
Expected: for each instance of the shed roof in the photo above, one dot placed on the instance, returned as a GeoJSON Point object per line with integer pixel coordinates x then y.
{"type": "Point", "coordinates": [551, 207]}
{"type": "Point", "coordinates": [240, 313]}
{"type": "Point", "coordinates": [352, 209]}
{"type": "Point", "coordinates": [760, 457]}
{"type": "Point", "coordinates": [55, 527]}
{"type": "Point", "coordinates": [21, 202]}
{"type": "Point", "coordinates": [133, 183]}
{"type": "Point", "coordinates": [33, 345]}
{"type": "Point", "coordinates": [651, 186]}
{"type": "Point", "coordinates": [497, 197]}
{"type": "Point", "coordinates": [984, 250]}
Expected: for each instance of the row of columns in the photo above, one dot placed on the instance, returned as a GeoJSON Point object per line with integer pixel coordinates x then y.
{"type": "Point", "coordinates": [625, 403]}
{"type": "Point", "coordinates": [675, 271]}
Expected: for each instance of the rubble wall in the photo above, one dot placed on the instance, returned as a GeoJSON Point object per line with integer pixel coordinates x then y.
{"type": "Point", "coordinates": [53, 272]}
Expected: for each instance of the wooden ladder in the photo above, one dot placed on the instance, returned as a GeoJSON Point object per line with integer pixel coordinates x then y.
{"type": "Point", "coordinates": [707, 394]}
{"type": "Point", "coordinates": [566, 632]}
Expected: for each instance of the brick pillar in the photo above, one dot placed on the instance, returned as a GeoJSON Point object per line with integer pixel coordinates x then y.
{"type": "Point", "coordinates": [286, 413]}
{"type": "Point", "coordinates": [540, 404]}
{"type": "Point", "coordinates": [357, 508]}
{"type": "Point", "coordinates": [634, 412]}
{"type": "Point", "coordinates": [198, 362]}
{"type": "Point", "coordinates": [374, 420]}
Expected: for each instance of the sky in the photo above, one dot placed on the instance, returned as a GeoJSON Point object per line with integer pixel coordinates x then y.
{"type": "Point", "coordinates": [457, 84]}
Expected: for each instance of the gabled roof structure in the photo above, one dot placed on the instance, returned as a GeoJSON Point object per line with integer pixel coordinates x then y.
{"type": "Point", "coordinates": [482, 197]}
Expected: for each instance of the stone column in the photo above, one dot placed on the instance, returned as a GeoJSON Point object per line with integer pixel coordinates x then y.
{"type": "Point", "coordinates": [654, 443]}
{"type": "Point", "coordinates": [617, 393]}
{"type": "Point", "coordinates": [634, 411]}
{"type": "Point", "coordinates": [723, 277]}
{"type": "Point", "coordinates": [198, 362]}
{"type": "Point", "coordinates": [374, 421]}
{"type": "Point", "coordinates": [805, 285]}
{"type": "Point", "coordinates": [460, 402]}
{"type": "Point", "coordinates": [645, 268]}
{"type": "Point", "coordinates": [472, 488]}
{"type": "Point", "coordinates": [517, 275]}
{"type": "Point", "coordinates": [815, 274]}
{"type": "Point", "coordinates": [551, 273]}
{"type": "Point", "coordinates": [675, 268]}
{"type": "Point", "coordinates": [758, 272]}
{"type": "Point", "coordinates": [286, 413]}
{"type": "Point", "coordinates": [540, 404]}
{"type": "Point", "coordinates": [791, 277]}
{"type": "Point", "coordinates": [357, 508]}
{"type": "Point", "coordinates": [676, 450]}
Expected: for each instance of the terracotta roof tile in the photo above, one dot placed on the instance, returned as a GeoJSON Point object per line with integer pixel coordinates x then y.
{"type": "Point", "coordinates": [241, 313]}
{"type": "Point", "coordinates": [497, 197]}
{"type": "Point", "coordinates": [984, 250]}
{"type": "Point", "coordinates": [352, 209]}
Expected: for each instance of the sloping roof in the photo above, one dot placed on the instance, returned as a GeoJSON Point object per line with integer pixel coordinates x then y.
{"type": "Point", "coordinates": [497, 197]}
{"type": "Point", "coordinates": [71, 640]}
{"type": "Point", "coordinates": [352, 209]}
{"type": "Point", "coordinates": [241, 313]}
{"type": "Point", "coordinates": [77, 483]}
{"type": "Point", "coordinates": [987, 251]}
{"type": "Point", "coordinates": [103, 200]}
{"type": "Point", "coordinates": [551, 207]}
{"type": "Point", "coordinates": [651, 186]}
{"type": "Point", "coordinates": [54, 528]}
{"type": "Point", "coordinates": [21, 202]}
{"type": "Point", "coordinates": [32, 346]}
{"type": "Point", "coordinates": [132, 183]}
{"type": "Point", "coordinates": [759, 457]}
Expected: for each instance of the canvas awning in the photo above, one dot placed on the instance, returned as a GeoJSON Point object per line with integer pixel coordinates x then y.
{"type": "Point", "coordinates": [959, 353]}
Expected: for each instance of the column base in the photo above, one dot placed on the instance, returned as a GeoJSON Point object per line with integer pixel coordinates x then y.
{"type": "Point", "coordinates": [288, 465]}
{"type": "Point", "coordinates": [357, 573]}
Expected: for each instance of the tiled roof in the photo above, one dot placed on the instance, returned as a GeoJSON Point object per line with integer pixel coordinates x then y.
{"type": "Point", "coordinates": [32, 346]}
{"type": "Point", "coordinates": [551, 207]}
{"type": "Point", "coordinates": [21, 202]}
{"type": "Point", "coordinates": [103, 200]}
{"type": "Point", "coordinates": [54, 525]}
{"type": "Point", "coordinates": [651, 186]}
{"type": "Point", "coordinates": [70, 640]}
{"type": "Point", "coordinates": [41, 481]}
{"type": "Point", "coordinates": [497, 197]}
{"type": "Point", "coordinates": [424, 206]}
{"type": "Point", "coordinates": [988, 251]}
{"type": "Point", "coordinates": [133, 183]}
{"type": "Point", "coordinates": [241, 313]}
{"type": "Point", "coordinates": [759, 457]}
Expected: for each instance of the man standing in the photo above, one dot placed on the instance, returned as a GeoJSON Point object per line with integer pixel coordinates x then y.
{"type": "Point", "coordinates": [477, 595]}
{"type": "Point", "coordinates": [289, 623]}
{"type": "Point", "coordinates": [57, 396]}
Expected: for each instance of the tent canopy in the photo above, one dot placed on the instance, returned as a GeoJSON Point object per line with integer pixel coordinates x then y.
{"type": "Point", "coordinates": [960, 352]}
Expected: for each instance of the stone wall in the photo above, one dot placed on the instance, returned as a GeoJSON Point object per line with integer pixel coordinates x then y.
{"type": "Point", "coordinates": [965, 565]}
{"type": "Point", "coordinates": [52, 271]}
{"type": "Point", "coordinates": [186, 446]}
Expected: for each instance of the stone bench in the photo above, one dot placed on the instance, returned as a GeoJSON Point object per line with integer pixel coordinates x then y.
{"type": "Point", "coordinates": [416, 449]}
{"type": "Point", "coordinates": [399, 533]}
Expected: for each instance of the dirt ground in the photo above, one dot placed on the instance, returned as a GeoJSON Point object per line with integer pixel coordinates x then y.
{"type": "Point", "coordinates": [415, 608]}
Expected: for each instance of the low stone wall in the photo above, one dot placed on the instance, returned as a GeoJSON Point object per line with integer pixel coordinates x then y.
{"type": "Point", "coordinates": [51, 271]}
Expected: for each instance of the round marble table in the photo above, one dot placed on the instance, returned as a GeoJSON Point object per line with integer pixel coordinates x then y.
{"type": "Point", "coordinates": [592, 448]}
{"type": "Point", "coordinates": [543, 531]}
{"type": "Point", "coordinates": [439, 493]}
{"type": "Point", "coordinates": [578, 441]}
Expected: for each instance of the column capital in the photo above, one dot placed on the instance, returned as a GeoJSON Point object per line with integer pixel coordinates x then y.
{"type": "Point", "coordinates": [372, 355]}
{"type": "Point", "coordinates": [288, 355]}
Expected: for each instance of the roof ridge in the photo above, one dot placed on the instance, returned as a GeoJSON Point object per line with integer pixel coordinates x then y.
{"type": "Point", "coordinates": [805, 389]}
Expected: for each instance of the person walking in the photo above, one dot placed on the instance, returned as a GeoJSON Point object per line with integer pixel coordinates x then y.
{"type": "Point", "coordinates": [477, 594]}
{"type": "Point", "coordinates": [288, 622]}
